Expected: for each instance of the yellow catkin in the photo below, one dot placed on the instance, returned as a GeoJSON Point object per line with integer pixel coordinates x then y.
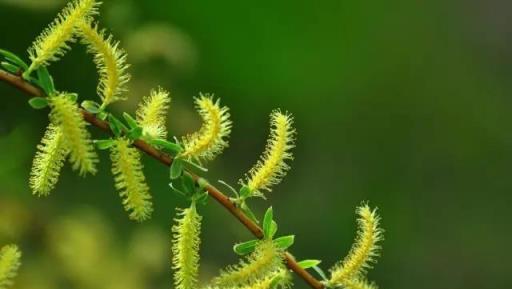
{"type": "Point", "coordinates": [52, 43]}
{"type": "Point", "coordinates": [271, 167]}
{"type": "Point", "coordinates": [359, 283]}
{"type": "Point", "coordinates": [211, 139]}
{"type": "Point", "coordinates": [48, 161]}
{"type": "Point", "coordinates": [152, 113]}
{"type": "Point", "coordinates": [130, 180]}
{"type": "Point", "coordinates": [9, 264]}
{"type": "Point", "coordinates": [265, 259]}
{"type": "Point", "coordinates": [364, 250]}
{"type": "Point", "coordinates": [110, 61]}
{"type": "Point", "coordinates": [66, 114]}
{"type": "Point", "coordinates": [185, 248]}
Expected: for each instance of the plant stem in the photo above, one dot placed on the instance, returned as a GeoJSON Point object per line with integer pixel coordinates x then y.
{"type": "Point", "coordinates": [165, 159]}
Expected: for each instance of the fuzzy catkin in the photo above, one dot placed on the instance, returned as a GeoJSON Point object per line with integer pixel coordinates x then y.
{"type": "Point", "coordinates": [130, 180]}
{"type": "Point", "coordinates": [211, 139]}
{"type": "Point", "coordinates": [185, 248]}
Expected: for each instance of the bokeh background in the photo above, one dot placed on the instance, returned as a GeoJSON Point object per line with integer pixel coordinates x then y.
{"type": "Point", "coordinates": [406, 104]}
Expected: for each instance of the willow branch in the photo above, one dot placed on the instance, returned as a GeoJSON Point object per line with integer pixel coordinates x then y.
{"type": "Point", "coordinates": [166, 159]}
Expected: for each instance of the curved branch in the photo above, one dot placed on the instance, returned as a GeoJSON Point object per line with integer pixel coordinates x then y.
{"type": "Point", "coordinates": [165, 159]}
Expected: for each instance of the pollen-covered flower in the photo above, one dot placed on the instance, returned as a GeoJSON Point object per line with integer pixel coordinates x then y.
{"type": "Point", "coordinates": [265, 259]}
{"type": "Point", "coordinates": [271, 167]}
{"type": "Point", "coordinates": [185, 248]}
{"type": "Point", "coordinates": [66, 114]}
{"type": "Point", "coordinates": [152, 113]}
{"type": "Point", "coordinates": [53, 41]}
{"type": "Point", "coordinates": [48, 161]}
{"type": "Point", "coordinates": [211, 139]}
{"type": "Point", "coordinates": [9, 264]}
{"type": "Point", "coordinates": [130, 180]}
{"type": "Point", "coordinates": [364, 250]}
{"type": "Point", "coordinates": [110, 61]}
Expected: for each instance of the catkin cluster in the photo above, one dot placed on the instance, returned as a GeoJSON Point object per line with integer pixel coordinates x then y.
{"type": "Point", "coordinates": [68, 139]}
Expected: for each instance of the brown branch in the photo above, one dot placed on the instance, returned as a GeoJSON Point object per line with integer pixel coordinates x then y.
{"type": "Point", "coordinates": [164, 158]}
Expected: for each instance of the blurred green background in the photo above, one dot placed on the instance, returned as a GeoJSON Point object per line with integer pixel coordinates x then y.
{"type": "Point", "coordinates": [406, 104]}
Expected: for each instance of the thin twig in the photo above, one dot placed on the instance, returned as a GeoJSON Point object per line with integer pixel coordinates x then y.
{"type": "Point", "coordinates": [164, 158]}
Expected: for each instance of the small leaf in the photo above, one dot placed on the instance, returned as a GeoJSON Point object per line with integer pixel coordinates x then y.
{"type": "Point", "coordinates": [135, 133]}
{"type": "Point", "coordinates": [132, 123]}
{"type": "Point", "coordinates": [176, 169]}
{"type": "Point", "coordinates": [245, 247]}
{"type": "Point", "coordinates": [320, 272]}
{"type": "Point", "coordinates": [249, 213]}
{"type": "Point", "coordinates": [306, 264]}
{"type": "Point", "coordinates": [284, 242]}
{"type": "Point", "coordinates": [102, 115]}
{"type": "Point", "coordinates": [171, 147]}
{"type": "Point", "coordinates": [202, 198]}
{"type": "Point", "coordinates": [230, 188]}
{"type": "Point", "coordinates": [176, 189]}
{"type": "Point", "coordinates": [91, 106]}
{"type": "Point", "coordinates": [267, 223]}
{"type": "Point", "coordinates": [10, 67]}
{"type": "Point", "coordinates": [45, 80]}
{"type": "Point", "coordinates": [116, 125]}
{"type": "Point", "coordinates": [72, 96]}
{"type": "Point", "coordinates": [273, 229]}
{"type": "Point", "coordinates": [14, 59]}
{"type": "Point", "coordinates": [188, 183]}
{"type": "Point", "coordinates": [38, 102]}
{"type": "Point", "coordinates": [195, 166]}
{"type": "Point", "coordinates": [245, 192]}
{"type": "Point", "coordinates": [104, 144]}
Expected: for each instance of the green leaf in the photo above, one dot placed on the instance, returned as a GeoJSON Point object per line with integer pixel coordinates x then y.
{"type": "Point", "coordinates": [10, 67]}
{"type": "Point", "coordinates": [273, 229]}
{"type": "Point", "coordinates": [229, 187]}
{"type": "Point", "coordinates": [245, 192]}
{"type": "Point", "coordinates": [320, 272]}
{"type": "Point", "coordinates": [45, 80]}
{"type": "Point", "coordinates": [72, 96]}
{"type": "Point", "coordinates": [284, 242]}
{"type": "Point", "coordinates": [135, 133]}
{"type": "Point", "coordinates": [176, 169]}
{"type": "Point", "coordinates": [116, 125]}
{"type": "Point", "coordinates": [171, 147]}
{"type": "Point", "coordinates": [201, 198]}
{"type": "Point", "coordinates": [245, 247]}
{"type": "Point", "coordinates": [38, 102]}
{"type": "Point", "coordinates": [193, 165]}
{"type": "Point", "coordinates": [267, 223]}
{"type": "Point", "coordinates": [102, 115]}
{"type": "Point", "coordinates": [132, 123]}
{"type": "Point", "coordinates": [248, 212]}
{"type": "Point", "coordinates": [104, 144]}
{"type": "Point", "coordinates": [188, 183]}
{"type": "Point", "coordinates": [14, 59]}
{"type": "Point", "coordinates": [91, 106]}
{"type": "Point", "coordinates": [306, 264]}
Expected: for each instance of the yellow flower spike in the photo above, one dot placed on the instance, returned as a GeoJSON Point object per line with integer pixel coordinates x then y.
{"type": "Point", "coordinates": [211, 139]}
{"type": "Point", "coordinates": [364, 250]}
{"type": "Point", "coordinates": [265, 259]}
{"type": "Point", "coordinates": [271, 167]}
{"type": "Point", "coordinates": [278, 279]}
{"type": "Point", "coordinates": [185, 248]}
{"type": "Point", "coordinates": [10, 257]}
{"type": "Point", "coordinates": [66, 114]}
{"type": "Point", "coordinates": [359, 283]}
{"type": "Point", "coordinates": [48, 161]}
{"type": "Point", "coordinates": [110, 61]}
{"type": "Point", "coordinates": [52, 43]}
{"type": "Point", "coordinates": [152, 113]}
{"type": "Point", "coordinates": [130, 180]}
